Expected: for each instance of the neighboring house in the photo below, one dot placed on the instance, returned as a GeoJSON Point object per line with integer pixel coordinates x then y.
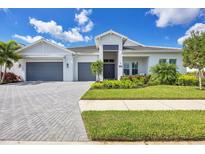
{"type": "Point", "coordinates": [46, 61]}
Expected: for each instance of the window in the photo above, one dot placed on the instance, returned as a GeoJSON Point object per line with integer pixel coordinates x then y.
{"type": "Point", "coordinates": [134, 68]}
{"type": "Point", "coordinates": [110, 47]}
{"type": "Point", "coordinates": [173, 61]}
{"type": "Point", "coordinates": [126, 69]}
{"type": "Point", "coordinates": [162, 61]}
{"type": "Point", "coordinates": [109, 60]}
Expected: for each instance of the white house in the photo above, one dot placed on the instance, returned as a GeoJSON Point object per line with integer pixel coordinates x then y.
{"type": "Point", "coordinates": [46, 61]}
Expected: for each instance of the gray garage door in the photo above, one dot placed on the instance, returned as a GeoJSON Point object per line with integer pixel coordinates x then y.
{"type": "Point", "coordinates": [84, 72]}
{"type": "Point", "coordinates": [44, 71]}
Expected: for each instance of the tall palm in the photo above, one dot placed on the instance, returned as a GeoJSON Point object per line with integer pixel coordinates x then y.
{"type": "Point", "coordinates": [8, 55]}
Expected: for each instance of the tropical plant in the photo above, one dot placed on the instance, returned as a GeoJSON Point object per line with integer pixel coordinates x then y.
{"type": "Point", "coordinates": [164, 73]}
{"type": "Point", "coordinates": [194, 53]}
{"type": "Point", "coordinates": [97, 68]}
{"type": "Point", "coordinates": [8, 55]}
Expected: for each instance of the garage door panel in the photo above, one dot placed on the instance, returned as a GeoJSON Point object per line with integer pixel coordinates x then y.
{"type": "Point", "coordinates": [84, 72]}
{"type": "Point", "coordinates": [44, 71]}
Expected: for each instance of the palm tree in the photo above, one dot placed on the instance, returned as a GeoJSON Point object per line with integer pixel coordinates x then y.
{"type": "Point", "coordinates": [8, 55]}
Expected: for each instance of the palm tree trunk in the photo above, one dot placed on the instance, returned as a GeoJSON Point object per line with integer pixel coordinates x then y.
{"type": "Point", "coordinates": [4, 74]}
{"type": "Point", "coordinates": [200, 79]}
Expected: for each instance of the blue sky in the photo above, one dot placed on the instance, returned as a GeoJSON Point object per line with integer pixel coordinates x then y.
{"type": "Point", "coordinates": [78, 27]}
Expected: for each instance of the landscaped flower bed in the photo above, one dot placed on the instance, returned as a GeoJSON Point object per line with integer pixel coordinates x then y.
{"type": "Point", "coordinates": [11, 77]}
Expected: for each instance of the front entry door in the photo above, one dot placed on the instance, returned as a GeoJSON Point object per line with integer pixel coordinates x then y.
{"type": "Point", "coordinates": [109, 71]}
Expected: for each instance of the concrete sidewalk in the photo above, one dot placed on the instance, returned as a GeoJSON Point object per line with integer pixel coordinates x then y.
{"type": "Point", "coordinates": [101, 105]}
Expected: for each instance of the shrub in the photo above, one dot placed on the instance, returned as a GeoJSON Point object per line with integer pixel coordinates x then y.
{"type": "Point", "coordinates": [142, 78]}
{"type": "Point", "coordinates": [189, 80]}
{"type": "Point", "coordinates": [115, 84]}
{"type": "Point", "coordinates": [11, 77]}
{"type": "Point", "coordinates": [164, 74]}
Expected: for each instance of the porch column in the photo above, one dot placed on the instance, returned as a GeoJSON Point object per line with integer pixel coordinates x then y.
{"type": "Point", "coordinates": [101, 58]}
{"type": "Point", "coordinates": [120, 63]}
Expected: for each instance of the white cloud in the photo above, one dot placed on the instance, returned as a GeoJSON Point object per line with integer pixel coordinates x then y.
{"type": "Point", "coordinates": [55, 42]}
{"type": "Point", "coordinates": [52, 28]}
{"type": "Point", "coordinates": [88, 27]}
{"type": "Point", "coordinates": [200, 27]}
{"type": "Point", "coordinates": [87, 38]}
{"type": "Point", "coordinates": [46, 27]}
{"type": "Point", "coordinates": [84, 22]}
{"type": "Point", "coordinates": [73, 35]}
{"type": "Point", "coordinates": [82, 17]}
{"type": "Point", "coordinates": [28, 39]}
{"type": "Point", "coordinates": [174, 16]}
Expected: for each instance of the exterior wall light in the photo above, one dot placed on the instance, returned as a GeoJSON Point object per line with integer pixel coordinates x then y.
{"type": "Point", "coordinates": [67, 65]}
{"type": "Point", "coordinates": [19, 65]}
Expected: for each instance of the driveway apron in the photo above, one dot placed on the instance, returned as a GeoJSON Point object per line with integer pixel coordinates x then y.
{"type": "Point", "coordinates": [42, 111]}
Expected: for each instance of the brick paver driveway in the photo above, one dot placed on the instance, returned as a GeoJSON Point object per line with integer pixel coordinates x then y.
{"type": "Point", "coordinates": [45, 111]}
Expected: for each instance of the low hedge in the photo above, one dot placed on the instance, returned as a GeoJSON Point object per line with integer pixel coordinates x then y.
{"type": "Point", "coordinates": [118, 84]}
{"type": "Point", "coordinates": [189, 80]}
{"type": "Point", "coordinates": [144, 78]}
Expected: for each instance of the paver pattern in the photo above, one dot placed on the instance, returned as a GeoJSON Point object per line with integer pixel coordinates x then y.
{"type": "Point", "coordinates": [42, 111]}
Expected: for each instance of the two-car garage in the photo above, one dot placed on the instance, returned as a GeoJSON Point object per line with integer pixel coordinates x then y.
{"type": "Point", "coordinates": [53, 71]}
{"type": "Point", "coordinates": [45, 61]}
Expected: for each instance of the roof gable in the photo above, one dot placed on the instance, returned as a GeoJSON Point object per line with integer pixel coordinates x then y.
{"type": "Point", "coordinates": [43, 41]}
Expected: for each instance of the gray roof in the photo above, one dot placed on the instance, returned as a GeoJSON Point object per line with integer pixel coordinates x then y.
{"type": "Point", "coordinates": [93, 49]}
{"type": "Point", "coordinates": [149, 48]}
{"type": "Point", "coordinates": [85, 49]}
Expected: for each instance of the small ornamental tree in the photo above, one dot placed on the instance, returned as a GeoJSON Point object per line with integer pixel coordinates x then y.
{"type": "Point", "coordinates": [97, 68]}
{"type": "Point", "coordinates": [194, 53]}
{"type": "Point", "coordinates": [8, 55]}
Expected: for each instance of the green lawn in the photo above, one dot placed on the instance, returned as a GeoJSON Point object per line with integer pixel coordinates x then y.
{"type": "Point", "coordinates": [151, 92]}
{"type": "Point", "coordinates": [145, 125]}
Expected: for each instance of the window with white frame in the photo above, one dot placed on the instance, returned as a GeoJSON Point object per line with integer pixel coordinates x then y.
{"type": "Point", "coordinates": [134, 68]}
{"type": "Point", "coordinates": [126, 69]}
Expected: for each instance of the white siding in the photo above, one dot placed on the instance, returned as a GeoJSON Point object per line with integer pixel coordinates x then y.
{"type": "Point", "coordinates": [44, 52]}
{"type": "Point", "coordinates": [155, 57]}
{"type": "Point", "coordinates": [19, 68]}
{"type": "Point", "coordinates": [112, 39]}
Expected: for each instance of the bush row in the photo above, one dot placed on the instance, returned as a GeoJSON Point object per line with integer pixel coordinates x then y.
{"type": "Point", "coordinates": [137, 81]}
{"type": "Point", "coordinates": [189, 80]}
{"type": "Point", "coordinates": [115, 84]}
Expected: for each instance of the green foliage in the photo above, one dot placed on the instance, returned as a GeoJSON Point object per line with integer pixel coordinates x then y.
{"type": "Point", "coordinates": [142, 78]}
{"type": "Point", "coordinates": [116, 84]}
{"type": "Point", "coordinates": [148, 92]}
{"type": "Point", "coordinates": [194, 53]}
{"type": "Point", "coordinates": [189, 80]}
{"type": "Point", "coordinates": [145, 125]}
{"type": "Point", "coordinates": [163, 74]}
{"type": "Point", "coordinates": [8, 55]}
{"type": "Point", "coordinates": [97, 68]}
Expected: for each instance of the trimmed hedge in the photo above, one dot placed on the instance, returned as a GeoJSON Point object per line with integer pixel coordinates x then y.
{"type": "Point", "coordinates": [144, 78]}
{"type": "Point", "coordinates": [189, 80]}
{"type": "Point", "coordinates": [118, 84]}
